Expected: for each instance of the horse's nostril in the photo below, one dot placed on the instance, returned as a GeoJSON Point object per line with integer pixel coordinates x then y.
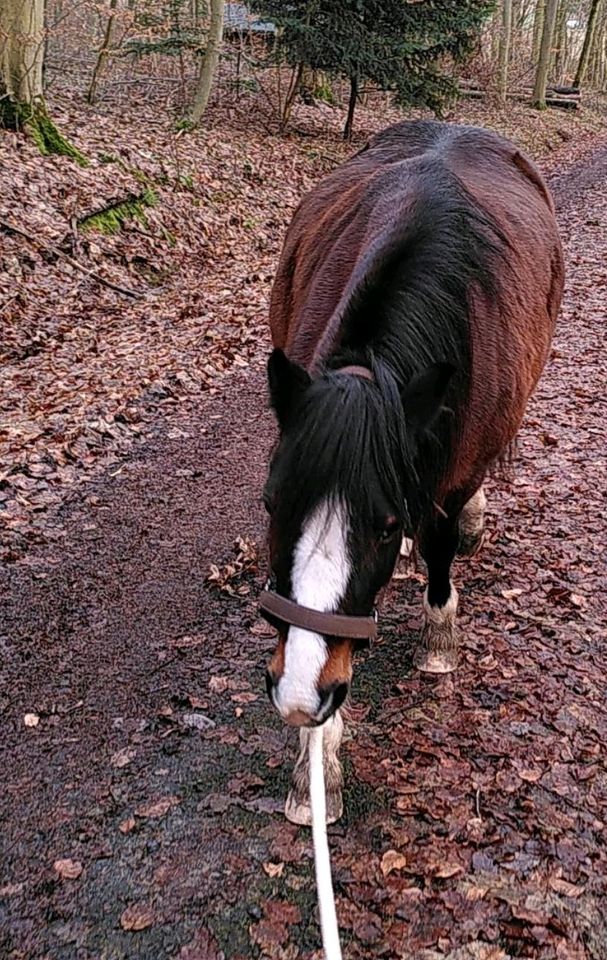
{"type": "Point", "coordinates": [332, 696]}
{"type": "Point", "coordinates": [270, 684]}
{"type": "Point", "coordinates": [339, 695]}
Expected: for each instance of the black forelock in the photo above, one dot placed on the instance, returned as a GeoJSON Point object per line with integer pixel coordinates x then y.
{"type": "Point", "coordinates": [347, 442]}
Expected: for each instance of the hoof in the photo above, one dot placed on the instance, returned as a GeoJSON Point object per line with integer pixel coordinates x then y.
{"type": "Point", "coordinates": [470, 544]}
{"type": "Point", "coordinates": [299, 811]}
{"type": "Point", "coordinates": [429, 662]}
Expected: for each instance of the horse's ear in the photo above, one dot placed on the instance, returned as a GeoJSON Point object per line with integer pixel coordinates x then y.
{"type": "Point", "coordinates": [424, 394]}
{"type": "Point", "coordinates": [287, 382]}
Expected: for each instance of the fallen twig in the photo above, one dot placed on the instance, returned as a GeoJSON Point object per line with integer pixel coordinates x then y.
{"type": "Point", "coordinates": [48, 248]}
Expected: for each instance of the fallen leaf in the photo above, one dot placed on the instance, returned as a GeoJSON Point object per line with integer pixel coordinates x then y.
{"type": "Point", "coordinates": [391, 861]}
{"type": "Point", "coordinates": [244, 697]}
{"type": "Point", "coordinates": [196, 703]}
{"type": "Point", "coordinates": [530, 774]}
{"type": "Point", "coordinates": [31, 719]}
{"type": "Point", "coordinates": [68, 869]}
{"type": "Point", "coordinates": [566, 888]}
{"type": "Point", "coordinates": [125, 826]}
{"type": "Point", "coordinates": [123, 757]}
{"type": "Point", "coordinates": [218, 684]}
{"type": "Point", "coordinates": [136, 917]}
{"type": "Point", "coordinates": [447, 870]}
{"type": "Point", "coordinates": [157, 808]}
{"type": "Point", "coordinates": [512, 594]}
{"type": "Point", "coordinates": [274, 869]}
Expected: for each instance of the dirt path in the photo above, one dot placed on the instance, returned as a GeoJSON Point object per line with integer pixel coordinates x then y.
{"type": "Point", "coordinates": [475, 805]}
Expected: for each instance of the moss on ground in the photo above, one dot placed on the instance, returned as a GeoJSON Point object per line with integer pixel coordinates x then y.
{"type": "Point", "coordinates": [34, 120]}
{"type": "Point", "coordinates": [112, 218]}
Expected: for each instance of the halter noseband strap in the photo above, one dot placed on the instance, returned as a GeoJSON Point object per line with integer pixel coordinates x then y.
{"type": "Point", "coordinates": [275, 607]}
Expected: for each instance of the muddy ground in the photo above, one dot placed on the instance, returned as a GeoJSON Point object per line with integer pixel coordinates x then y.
{"type": "Point", "coordinates": [141, 810]}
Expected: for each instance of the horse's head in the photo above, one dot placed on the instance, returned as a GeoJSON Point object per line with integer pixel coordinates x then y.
{"type": "Point", "coordinates": [341, 483]}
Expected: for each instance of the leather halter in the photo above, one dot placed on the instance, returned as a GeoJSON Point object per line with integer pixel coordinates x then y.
{"type": "Point", "coordinates": [278, 609]}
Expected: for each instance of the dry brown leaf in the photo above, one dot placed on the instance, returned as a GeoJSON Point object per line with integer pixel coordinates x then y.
{"type": "Point", "coordinates": [123, 757]}
{"type": "Point", "coordinates": [125, 826]}
{"type": "Point", "coordinates": [157, 808]}
{"type": "Point", "coordinates": [530, 774]}
{"type": "Point", "coordinates": [567, 889]}
{"type": "Point", "coordinates": [136, 917]}
{"type": "Point", "coordinates": [391, 861]}
{"type": "Point", "coordinates": [244, 697]}
{"type": "Point", "coordinates": [447, 870]}
{"type": "Point", "coordinates": [511, 594]}
{"type": "Point", "coordinates": [274, 869]}
{"type": "Point", "coordinates": [68, 869]}
{"type": "Point", "coordinates": [196, 703]}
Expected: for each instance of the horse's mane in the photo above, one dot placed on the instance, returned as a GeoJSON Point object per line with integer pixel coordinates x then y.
{"type": "Point", "coordinates": [414, 308]}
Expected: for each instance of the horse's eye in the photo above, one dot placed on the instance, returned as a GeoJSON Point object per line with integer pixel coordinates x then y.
{"type": "Point", "coordinates": [389, 530]}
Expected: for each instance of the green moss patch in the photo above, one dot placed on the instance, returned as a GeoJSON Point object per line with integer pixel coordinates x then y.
{"type": "Point", "coordinates": [112, 218]}
{"type": "Point", "coordinates": [35, 121]}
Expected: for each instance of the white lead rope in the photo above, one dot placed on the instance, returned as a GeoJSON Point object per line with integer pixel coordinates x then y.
{"type": "Point", "coordinates": [324, 885]}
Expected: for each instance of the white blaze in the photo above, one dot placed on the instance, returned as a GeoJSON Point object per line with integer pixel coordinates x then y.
{"type": "Point", "coordinates": [321, 570]}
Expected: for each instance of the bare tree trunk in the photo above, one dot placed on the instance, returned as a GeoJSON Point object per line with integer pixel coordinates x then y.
{"type": "Point", "coordinates": [22, 104]}
{"type": "Point", "coordinates": [351, 107]}
{"type": "Point", "coordinates": [560, 39]}
{"type": "Point", "coordinates": [582, 66]}
{"type": "Point", "coordinates": [104, 52]}
{"type": "Point", "coordinates": [541, 76]}
{"type": "Point", "coordinates": [598, 50]}
{"type": "Point", "coordinates": [21, 55]}
{"type": "Point", "coordinates": [209, 62]}
{"type": "Point", "coordinates": [538, 29]}
{"type": "Point", "coordinates": [504, 50]}
{"type": "Point", "coordinates": [292, 91]}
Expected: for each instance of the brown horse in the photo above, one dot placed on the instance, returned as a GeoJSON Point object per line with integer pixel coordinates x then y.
{"type": "Point", "coordinates": [411, 315]}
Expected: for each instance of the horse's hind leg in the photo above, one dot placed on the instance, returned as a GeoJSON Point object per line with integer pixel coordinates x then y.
{"type": "Point", "coordinates": [437, 652]}
{"type": "Point", "coordinates": [472, 525]}
{"type": "Point", "coordinates": [297, 808]}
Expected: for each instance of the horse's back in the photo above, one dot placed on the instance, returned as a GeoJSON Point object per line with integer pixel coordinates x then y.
{"type": "Point", "coordinates": [378, 192]}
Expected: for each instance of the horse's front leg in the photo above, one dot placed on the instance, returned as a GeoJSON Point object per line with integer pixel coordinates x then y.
{"type": "Point", "coordinates": [437, 652]}
{"type": "Point", "coordinates": [297, 808]}
{"type": "Point", "coordinates": [472, 524]}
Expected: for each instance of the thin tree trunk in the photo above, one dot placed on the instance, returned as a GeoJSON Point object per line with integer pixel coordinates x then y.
{"type": "Point", "coordinates": [538, 29]}
{"type": "Point", "coordinates": [351, 107]}
{"type": "Point", "coordinates": [104, 52]}
{"type": "Point", "coordinates": [541, 76]}
{"type": "Point", "coordinates": [22, 104]}
{"type": "Point", "coordinates": [209, 62]}
{"type": "Point", "coordinates": [504, 50]}
{"type": "Point", "coordinates": [560, 39]}
{"type": "Point", "coordinates": [598, 50]}
{"type": "Point", "coordinates": [582, 66]}
{"type": "Point", "coordinates": [21, 55]}
{"type": "Point", "coordinates": [293, 89]}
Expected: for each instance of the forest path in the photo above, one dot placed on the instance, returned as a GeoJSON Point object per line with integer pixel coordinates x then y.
{"type": "Point", "coordinates": [475, 805]}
